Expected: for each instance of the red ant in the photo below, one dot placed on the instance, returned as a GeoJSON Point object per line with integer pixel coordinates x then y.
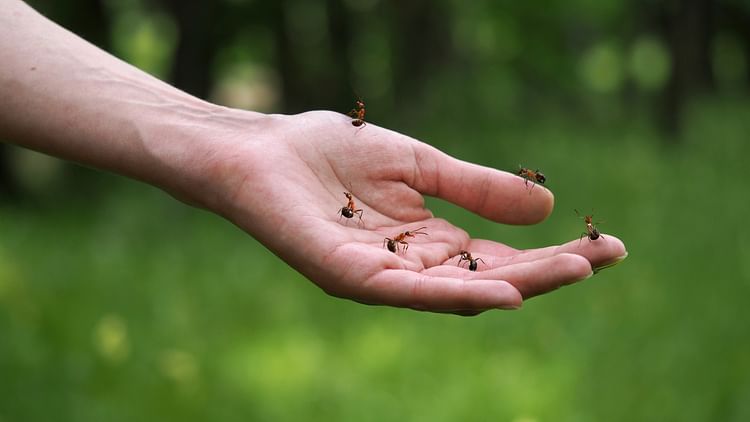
{"type": "Point", "coordinates": [358, 113]}
{"type": "Point", "coordinates": [349, 210]}
{"type": "Point", "coordinates": [591, 231]}
{"type": "Point", "coordinates": [393, 243]}
{"type": "Point", "coordinates": [466, 256]}
{"type": "Point", "coordinates": [535, 176]}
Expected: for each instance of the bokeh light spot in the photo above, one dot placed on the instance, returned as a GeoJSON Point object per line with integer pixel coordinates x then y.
{"type": "Point", "coordinates": [649, 63]}
{"type": "Point", "coordinates": [602, 68]}
{"type": "Point", "coordinates": [111, 338]}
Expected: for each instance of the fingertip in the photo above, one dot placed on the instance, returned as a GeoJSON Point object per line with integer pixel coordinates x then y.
{"type": "Point", "coordinates": [492, 294]}
{"type": "Point", "coordinates": [602, 253]}
{"type": "Point", "coordinates": [532, 205]}
{"type": "Point", "coordinates": [513, 300]}
{"type": "Point", "coordinates": [577, 267]}
{"type": "Point", "coordinates": [615, 246]}
{"type": "Point", "coordinates": [617, 254]}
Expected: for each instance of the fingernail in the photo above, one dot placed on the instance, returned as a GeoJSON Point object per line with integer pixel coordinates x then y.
{"type": "Point", "coordinates": [509, 307]}
{"type": "Point", "coordinates": [616, 261]}
{"type": "Point", "coordinates": [586, 277]}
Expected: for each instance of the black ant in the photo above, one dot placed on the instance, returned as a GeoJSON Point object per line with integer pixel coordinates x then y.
{"type": "Point", "coordinates": [349, 210]}
{"type": "Point", "coordinates": [393, 243]}
{"type": "Point", "coordinates": [466, 256]}
{"type": "Point", "coordinates": [358, 113]}
{"type": "Point", "coordinates": [591, 231]}
{"type": "Point", "coordinates": [535, 176]}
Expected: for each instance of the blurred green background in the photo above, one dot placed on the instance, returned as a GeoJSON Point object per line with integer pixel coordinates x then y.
{"type": "Point", "coordinates": [118, 303]}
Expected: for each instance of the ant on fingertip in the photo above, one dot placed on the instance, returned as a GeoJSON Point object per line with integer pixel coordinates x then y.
{"type": "Point", "coordinates": [534, 176]}
{"type": "Point", "coordinates": [466, 256]}
{"type": "Point", "coordinates": [399, 239]}
{"type": "Point", "coordinates": [349, 209]}
{"type": "Point", "coordinates": [591, 231]}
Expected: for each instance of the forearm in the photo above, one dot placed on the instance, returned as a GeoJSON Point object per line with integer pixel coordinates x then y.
{"type": "Point", "coordinates": [65, 97]}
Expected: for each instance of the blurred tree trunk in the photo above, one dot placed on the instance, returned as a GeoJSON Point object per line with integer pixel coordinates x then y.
{"type": "Point", "coordinates": [689, 30]}
{"type": "Point", "coordinates": [736, 19]}
{"type": "Point", "coordinates": [421, 42]}
{"type": "Point", "coordinates": [292, 89]}
{"type": "Point", "coordinates": [197, 24]}
{"type": "Point", "coordinates": [303, 85]}
{"type": "Point", "coordinates": [340, 27]}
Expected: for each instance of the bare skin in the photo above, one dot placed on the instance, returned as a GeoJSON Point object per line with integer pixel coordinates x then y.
{"type": "Point", "coordinates": [280, 177]}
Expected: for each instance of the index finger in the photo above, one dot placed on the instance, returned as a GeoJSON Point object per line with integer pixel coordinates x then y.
{"type": "Point", "coordinates": [493, 194]}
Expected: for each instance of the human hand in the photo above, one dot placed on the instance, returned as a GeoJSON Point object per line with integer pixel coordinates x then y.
{"type": "Point", "coordinates": [282, 178]}
{"type": "Point", "coordinates": [286, 187]}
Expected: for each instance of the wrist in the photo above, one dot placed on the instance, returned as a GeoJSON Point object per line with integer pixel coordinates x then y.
{"type": "Point", "coordinates": [203, 152]}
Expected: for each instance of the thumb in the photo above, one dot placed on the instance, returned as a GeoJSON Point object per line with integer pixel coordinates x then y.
{"type": "Point", "coordinates": [497, 195]}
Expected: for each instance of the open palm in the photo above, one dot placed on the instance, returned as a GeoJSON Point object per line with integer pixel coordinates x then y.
{"type": "Point", "coordinates": [292, 189]}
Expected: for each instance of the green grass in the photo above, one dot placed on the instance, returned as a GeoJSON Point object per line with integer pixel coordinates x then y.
{"type": "Point", "coordinates": [131, 306]}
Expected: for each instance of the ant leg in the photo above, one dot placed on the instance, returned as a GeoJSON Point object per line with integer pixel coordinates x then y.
{"type": "Point", "coordinates": [359, 213]}
{"type": "Point", "coordinates": [581, 238]}
{"type": "Point", "coordinates": [480, 259]}
{"type": "Point", "coordinates": [406, 246]}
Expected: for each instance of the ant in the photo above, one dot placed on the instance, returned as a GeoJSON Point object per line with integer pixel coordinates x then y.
{"type": "Point", "coordinates": [358, 113]}
{"type": "Point", "coordinates": [393, 243]}
{"type": "Point", "coordinates": [535, 176]}
{"type": "Point", "coordinates": [349, 210]}
{"type": "Point", "coordinates": [466, 256]}
{"type": "Point", "coordinates": [591, 231]}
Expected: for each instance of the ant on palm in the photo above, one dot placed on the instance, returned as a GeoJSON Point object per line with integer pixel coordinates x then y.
{"type": "Point", "coordinates": [358, 113]}
{"type": "Point", "coordinates": [349, 209]}
{"type": "Point", "coordinates": [591, 231]}
{"type": "Point", "coordinates": [535, 176]}
{"type": "Point", "coordinates": [399, 239]}
{"type": "Point", "coordinates": [466, 256]}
